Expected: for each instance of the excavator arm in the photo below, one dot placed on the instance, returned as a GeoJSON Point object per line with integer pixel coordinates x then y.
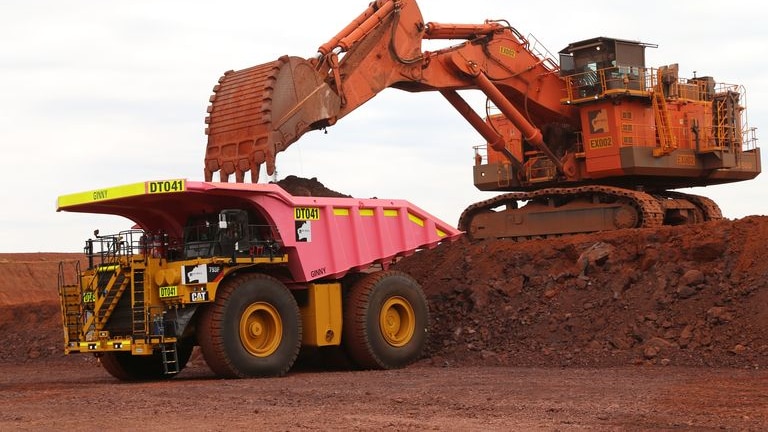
{"type": "Point", "coordinates": [258, 112]}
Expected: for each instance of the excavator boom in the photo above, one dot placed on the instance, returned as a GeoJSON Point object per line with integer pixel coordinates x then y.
{"type": "Point", "coordinates": [258, 112]}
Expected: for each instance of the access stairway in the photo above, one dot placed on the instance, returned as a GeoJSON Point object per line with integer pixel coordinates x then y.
{"type": "Point", "coordinates": [91, 304]}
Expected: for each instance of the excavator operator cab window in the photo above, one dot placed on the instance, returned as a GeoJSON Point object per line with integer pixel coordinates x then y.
{"type": "Point", "coordinates": [598, 62]}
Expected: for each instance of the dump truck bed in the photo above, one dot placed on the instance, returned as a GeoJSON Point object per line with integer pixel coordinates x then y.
{"type": "Point", "coordinates": [324, 237]}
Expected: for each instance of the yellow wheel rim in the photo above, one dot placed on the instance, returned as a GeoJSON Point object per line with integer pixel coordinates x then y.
{"type": "Point", "coordinates": [261, 329]}
{"type": "Point", "coordinates": [397, 321]}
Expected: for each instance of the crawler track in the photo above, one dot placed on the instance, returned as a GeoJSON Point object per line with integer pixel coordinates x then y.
{"type": "Point", "coordinates": [709, 208]}
{"type": "Point", "coordinates": [623, 208]}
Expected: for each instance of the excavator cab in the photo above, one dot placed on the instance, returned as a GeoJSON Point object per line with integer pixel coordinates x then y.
{"type": "Point", "coordinates": [601, 64]}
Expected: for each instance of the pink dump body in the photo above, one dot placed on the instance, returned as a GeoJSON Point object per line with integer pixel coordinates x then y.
{"type": "Point", "coordinates": [324, 237]}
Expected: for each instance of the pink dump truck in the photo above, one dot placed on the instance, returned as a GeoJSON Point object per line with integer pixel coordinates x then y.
{"type": "Point", "coordinates": [249, 273]}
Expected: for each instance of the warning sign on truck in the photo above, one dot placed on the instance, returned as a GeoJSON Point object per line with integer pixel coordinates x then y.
{"type": "Point", "coordinates": [200, 273]}
{"type": "Point", "coordinates": [304, 231]}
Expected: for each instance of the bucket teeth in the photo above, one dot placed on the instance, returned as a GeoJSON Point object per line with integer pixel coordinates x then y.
{"type": "Point", "coordinates": [259, 111]}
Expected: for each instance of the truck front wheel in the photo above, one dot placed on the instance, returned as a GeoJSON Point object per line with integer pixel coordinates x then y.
{"type": "Point", "coordinates": [253, 329]}
{"type": "Point", "coordinates": [385, 321]}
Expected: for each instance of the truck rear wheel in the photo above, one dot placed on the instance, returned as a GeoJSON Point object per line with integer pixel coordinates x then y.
{"type": "Point", "coordinates": [127, 367]}
{"type": "Point", "coordinates": [253, 329]}
{"type": "Point", "coordinates": [385, 321]}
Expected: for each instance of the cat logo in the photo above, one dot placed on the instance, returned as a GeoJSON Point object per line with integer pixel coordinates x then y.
{"type": "Point", "coordinates": [198, 296]}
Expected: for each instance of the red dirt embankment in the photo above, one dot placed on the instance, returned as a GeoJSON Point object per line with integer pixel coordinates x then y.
{"type": "Point", "coordinates": [691, 295]}
{"type": "Point", "coordinates": [30, 277]}
{"type": "Point", "coordinates": [30, 321]}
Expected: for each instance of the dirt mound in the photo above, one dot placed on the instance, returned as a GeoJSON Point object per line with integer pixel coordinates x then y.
{"type": "Point", "coordinates": [692, 295]}
{"type": "Point", "coordinates": [299, 186]}
{"type": "Point", "coordinates": [31, 277]}
{"type": "Point", "coordinates": [30, 322]}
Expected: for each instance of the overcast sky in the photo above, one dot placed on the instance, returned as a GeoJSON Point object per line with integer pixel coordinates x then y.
{"type": "Point", "coordinates": [104, 93]}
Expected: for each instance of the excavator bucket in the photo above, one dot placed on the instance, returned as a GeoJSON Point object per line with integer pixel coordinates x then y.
{"type": "Point", "coordinates": [259, 111]}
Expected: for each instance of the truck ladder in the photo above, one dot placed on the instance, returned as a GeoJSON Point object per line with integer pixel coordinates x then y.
{"type": "Point", "coordinates": [170, 354]}
{"type": "Point", "coordinates": [71, 305]}
{"type": "Point", "coordinates": [138, 307]}
{"type": "Point", "coordinates": [112, 293]}
{"type": "Point", "coordinates": [168, 350]}
{"type": "Point", "coordinates": [110, 285]}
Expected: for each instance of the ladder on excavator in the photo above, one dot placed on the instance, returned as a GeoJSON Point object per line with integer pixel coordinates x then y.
{"type": "Point", "coordinates": [726, 110]}
{"type": "Point", "coordinates": [667, 142]}
{"type": "Point", "coordinates": [537, 50]}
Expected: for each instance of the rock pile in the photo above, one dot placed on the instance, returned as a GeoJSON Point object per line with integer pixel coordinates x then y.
{"type": "Point", "coordinates": [690, 295]}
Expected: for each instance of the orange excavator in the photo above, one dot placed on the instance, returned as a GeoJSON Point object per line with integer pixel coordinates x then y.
{"type": "Point", "coordinates": [596, 141]}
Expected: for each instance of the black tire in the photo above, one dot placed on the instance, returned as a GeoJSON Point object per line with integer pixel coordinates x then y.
{"type": "Point", "coordinates": [253, 328]}
{"type": "Point", "coordinates": [385, 321]}
{"type": "Point", "coordinates": [127, 367]}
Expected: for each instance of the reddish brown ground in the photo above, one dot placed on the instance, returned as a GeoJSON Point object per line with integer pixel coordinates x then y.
{"type": "Point", "coordinates": [630, 330]}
